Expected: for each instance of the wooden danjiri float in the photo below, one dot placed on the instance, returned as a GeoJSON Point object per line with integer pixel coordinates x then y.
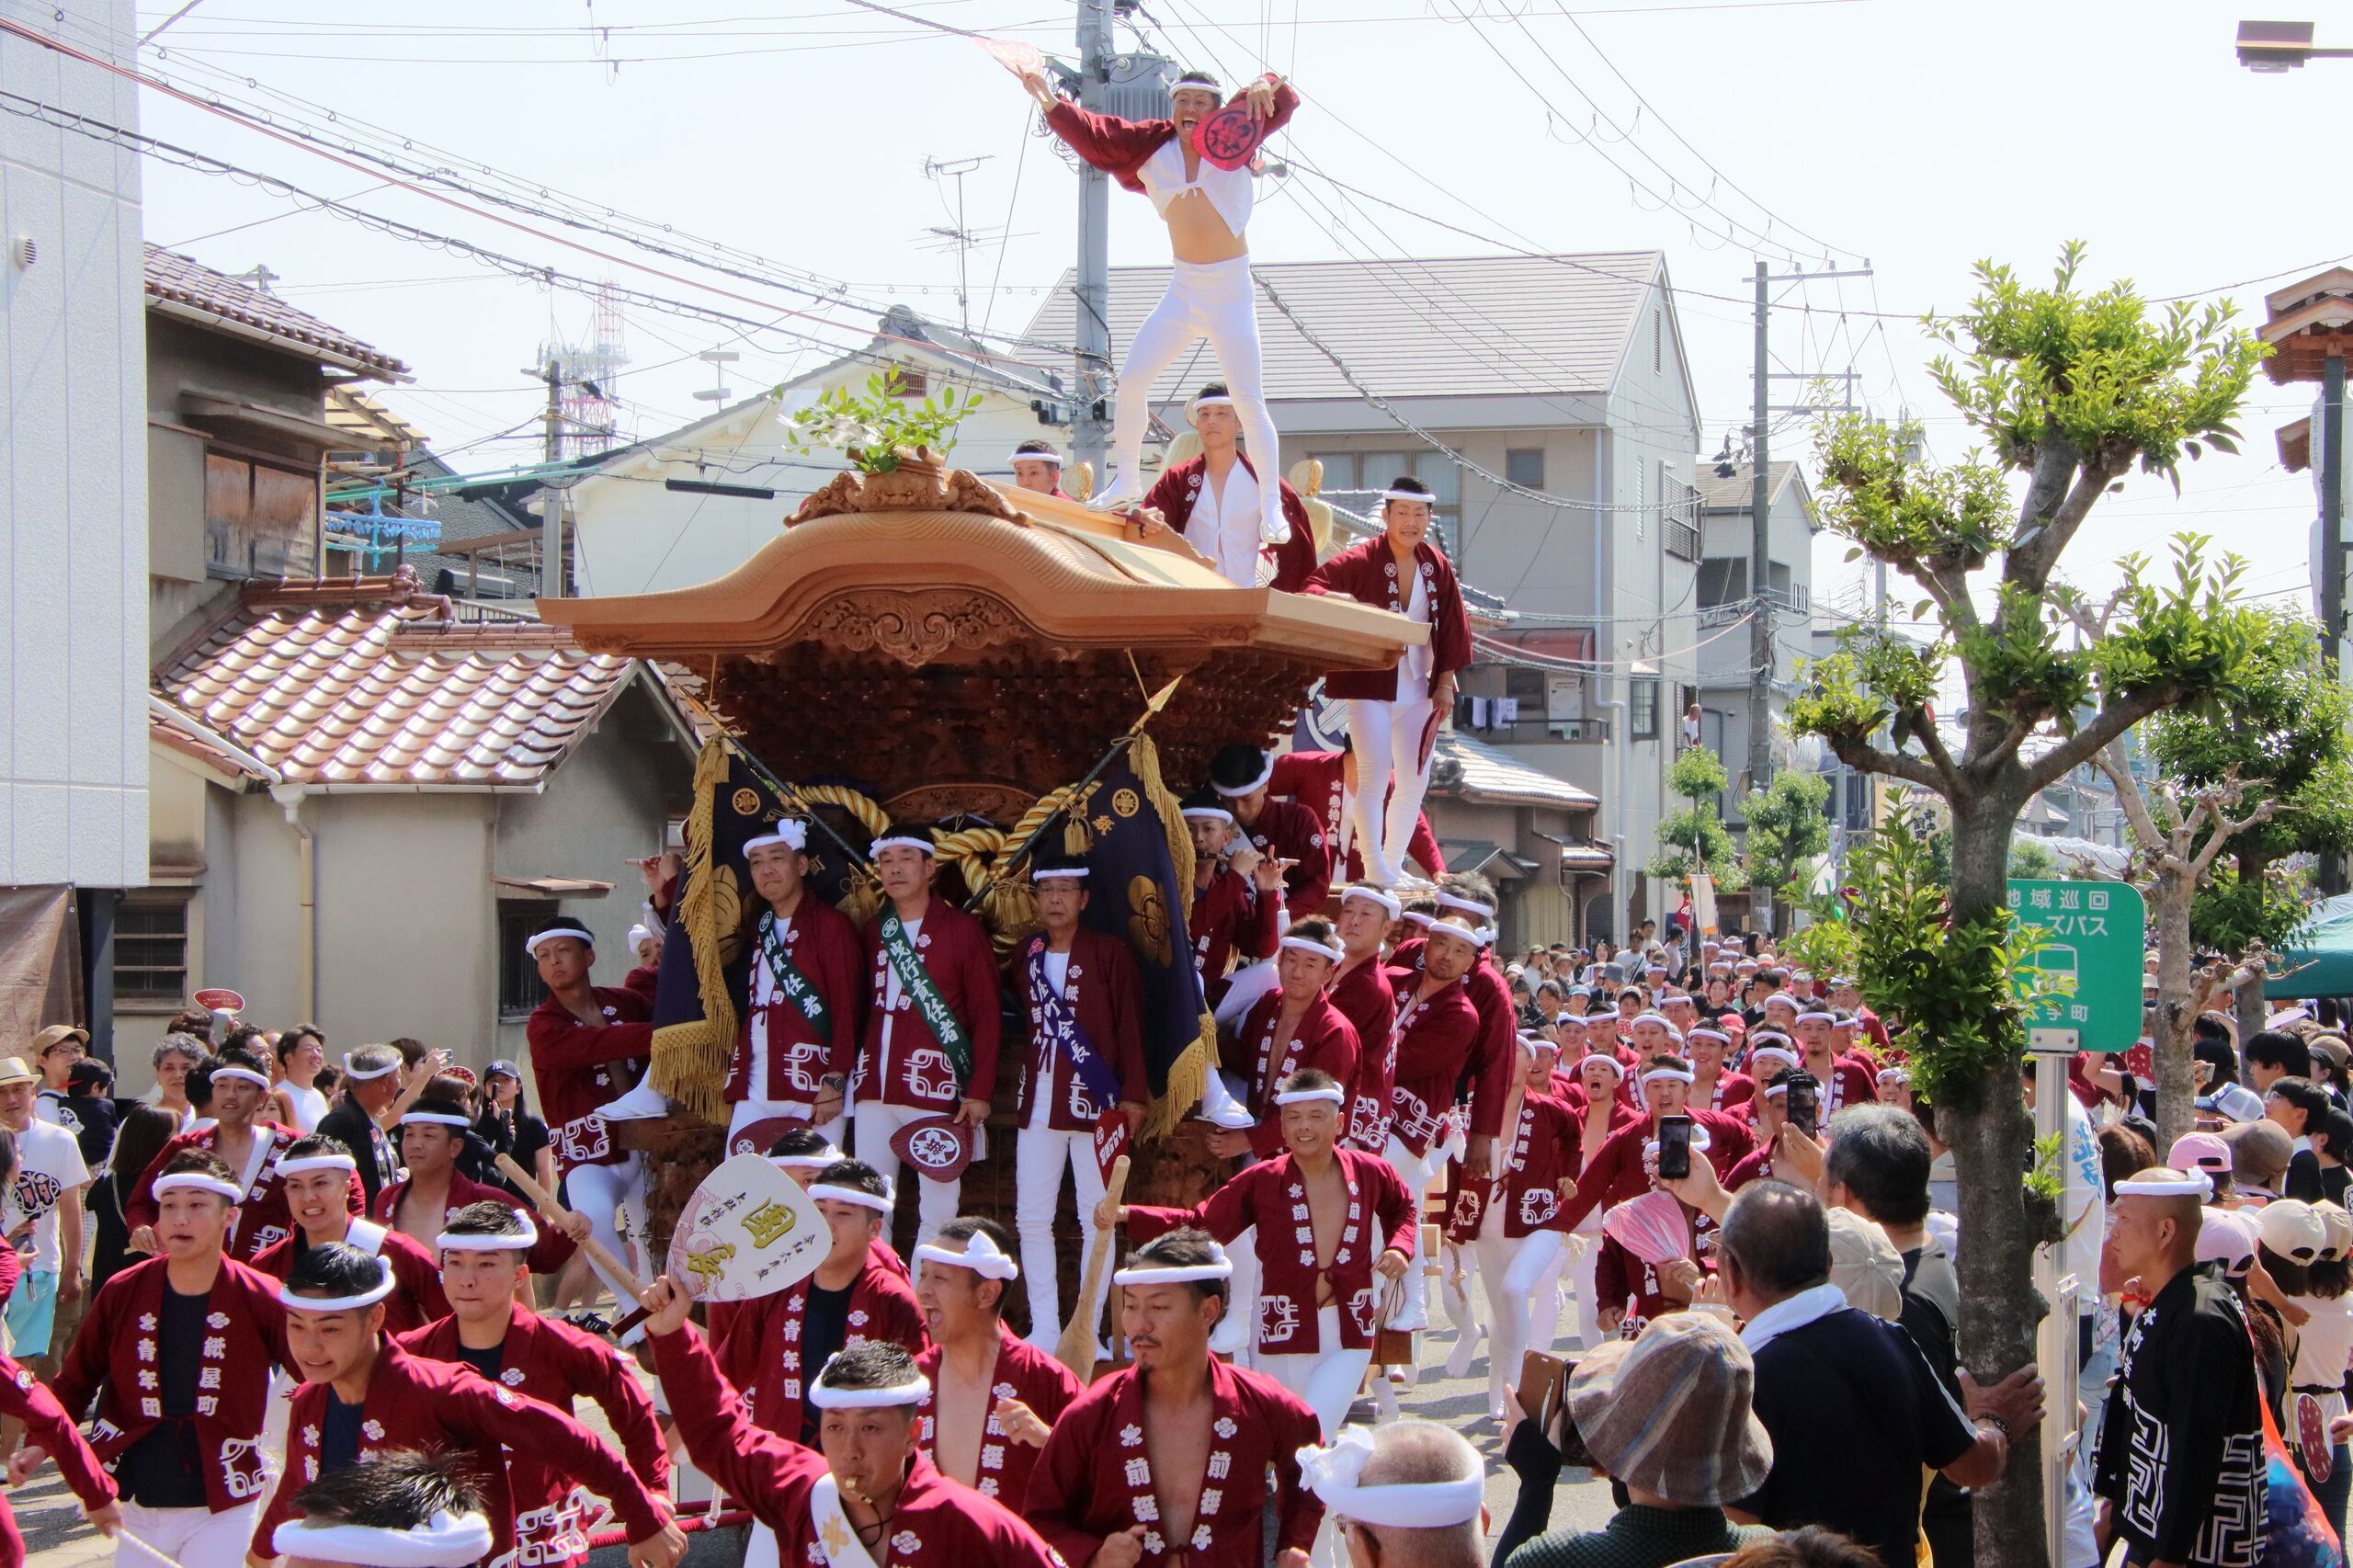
{"type": "Point", "coordinates": [925, 645]}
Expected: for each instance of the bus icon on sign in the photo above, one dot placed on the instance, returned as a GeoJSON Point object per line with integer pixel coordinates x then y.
{"type": "Point", "coordinates": [2058, 965]}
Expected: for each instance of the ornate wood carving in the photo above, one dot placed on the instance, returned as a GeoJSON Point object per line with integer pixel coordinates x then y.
{"type": "Point", "coordinates": [917, 485]}
{"type": "Point", "coordinates": [915, 626]}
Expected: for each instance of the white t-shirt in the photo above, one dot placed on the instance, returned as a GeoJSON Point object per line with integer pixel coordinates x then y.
{"type": "Point", "coordinates": [49, 1161]}
{"type": "Point", "coordinates": [2079, 1253]}
{"type": "Point", "coordinates": [1225, 527]}
{"type": "Point", "coordinates": [309, 1106]}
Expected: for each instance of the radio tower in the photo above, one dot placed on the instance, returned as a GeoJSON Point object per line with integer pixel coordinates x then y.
{"type": "Point", "coordinates": [590, 412]}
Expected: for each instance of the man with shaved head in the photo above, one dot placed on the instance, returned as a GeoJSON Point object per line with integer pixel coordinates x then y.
{"type": "Point", "coordinates": [1407, 1495]}
{"type": "Point", "coordinates": [2180, 1471]}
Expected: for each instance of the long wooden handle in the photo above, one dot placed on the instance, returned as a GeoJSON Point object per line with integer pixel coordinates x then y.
{"type": "Point", "coordinates": [1077, 1349]}
{"type": "Point", "coordinates": [555, 1212]}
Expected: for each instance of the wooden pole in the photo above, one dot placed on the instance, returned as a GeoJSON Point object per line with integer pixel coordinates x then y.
{"type": "Point", "coordinates": [553, 1212]}
{"type": "Point", "coordinates": [1077, 1349]}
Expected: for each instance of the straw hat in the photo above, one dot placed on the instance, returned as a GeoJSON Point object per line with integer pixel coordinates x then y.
{"type": "Point", "coordinates": [1670, 1412]}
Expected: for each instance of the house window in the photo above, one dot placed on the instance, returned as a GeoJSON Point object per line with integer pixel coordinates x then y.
{"type": "Point", "coordinates": [1354, 480]}
{"type": "Point", "coordinates": [259, 521]}
{"type": "Point", "coordinates": [518, 975]}
{"type": "Point", "coordinates": [914, 381]}
{"type": "Point", "coordinates": [151, 949]}
{"type": "Point", "coordinates": [1723, 579]}
{"type": "Point", "coordinates": [1525, 466]}
{"type": "Point", "coordinates": [1642, 700]}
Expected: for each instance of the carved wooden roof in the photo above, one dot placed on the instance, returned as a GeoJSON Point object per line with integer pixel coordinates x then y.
{"type": "Point", "coordinates": [964, 656]}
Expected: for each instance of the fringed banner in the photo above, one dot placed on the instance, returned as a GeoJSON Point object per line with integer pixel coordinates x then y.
{"type": "Point", "coordinates": [704, 955]}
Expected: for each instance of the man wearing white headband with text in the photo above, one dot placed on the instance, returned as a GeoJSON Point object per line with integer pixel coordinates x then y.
{"type": "Point", "coordinates": [1326, 1220]}
{"type": "Point", "coordinates": [1844, 1080]}
{"type": "Point", "coordinates": [930, 1043]}
{"type": "Point", "coordinates": [1407, 1494]}
{"type": "Point", "coordinates": [1084, 999]}
{"type": "Point", "coordinates": [1361, 989]}
{"type": "Point", "coordinates": [483, 1254]}
{"type": "Point", "coordinates": [863, 1494]}
{"type": "Point", "coordinates": [249, 1148]}
{"type": "Point", "coordinates": [1241, 775]}
{"type": "Point", "coordinates": [1393, 714]}
{"type": "Point", "coordinates": [363, 1393]}
{"type": "Point", "coordinates": [993, 1398]}
{"type": "Point", "coordinates": [418, 1205]}
{"type": "Point", "coordinates": [1237, 894]}
{"type": "Point", "coordinates": [1167, 1459]}
{"type": "Point", "coordinates": [177, 1352]}
{"type": "Point", "coordinates": [1433, 1043]}
{"type": "Point", "coordinates": [807, 997]}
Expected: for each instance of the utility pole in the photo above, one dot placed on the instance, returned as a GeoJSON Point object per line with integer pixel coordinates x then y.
{"type": "Point", "coordinates": [1089, 429]}
{"type": "Point", "coordinates": [1760, 562]}
{"type": "Point", "coordinates": [551, 370]}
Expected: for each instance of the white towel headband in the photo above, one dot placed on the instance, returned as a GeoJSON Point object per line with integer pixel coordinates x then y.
{"type": "Point", "coordinates": [1331, 1473]}
{"type": "Point", "coordinates": [368, 1298]}
{"type": "Point", "coordinates": [445, 1538]}
{"type": "Point", "coordinates": [980, 1255]}
{"type": "Point", "coordinates": [243, 1076]}
{"type": "Point", "coordinates": [1304, 1096]}
{"type": "Point", "coordinates": [450, 1242]}
{"type": "Point", "coordinates": [1389, 906]}
{"type": "Point", "coordinates": [881, 1205]}
{"type": "Point", "coordinates": [1337, 953]}
{"type": "Point", "coordinates": [197, 1181]}
{"type": "Point", "coordinates": [1219, 1267]}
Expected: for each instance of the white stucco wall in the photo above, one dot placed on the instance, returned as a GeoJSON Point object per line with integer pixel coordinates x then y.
{"type": "Point", "coordinates": [73, 477]}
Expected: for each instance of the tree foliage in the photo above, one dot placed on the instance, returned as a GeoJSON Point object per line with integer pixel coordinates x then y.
{"type": "Point", "coordinates": [1788, 828]}
{"type": "Point", "coordinates": [1694, 838]}
{"type": "Point", "coordinates": [2033, 860]}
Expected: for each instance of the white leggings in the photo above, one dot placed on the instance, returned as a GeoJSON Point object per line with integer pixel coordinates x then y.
{"type": "Point", "coordinates": [1217, 300]}
{"type": "Point", "coordinates": [1387, 738]}
{"type": "Point", "coordinates": [195, 1538]}
{"type": "Point", "coordinates": [600, 1192]}
{"type": "Point", "coordinates": [1587, 1246]}
{"type": "Point", "coordinates": [1039, 1155]}
{"type": "Point", "coordinates": [1327, 1379]}
{"type": "Point", "coordinates": [934, 1200]}
{"type": "Point", "coordinates": [1509, 1272]}
{"type": "Point", "coordinates": [1416, 1172]}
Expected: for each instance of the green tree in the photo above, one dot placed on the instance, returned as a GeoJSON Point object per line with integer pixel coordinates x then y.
{"type": "Point", "coordinates": [1695, 838]}
{"type": "Point", "coordinates": [1789, 828]}
{"type": "Point", "coordinates": [2258, 771]}
{"type": "Point", "coordinates": [2033, 860]}
{"type": "Point", "coordinates": [2071, 388]}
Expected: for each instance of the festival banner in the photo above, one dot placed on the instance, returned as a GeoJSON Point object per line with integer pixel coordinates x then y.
{"type": "Point", "coordinates": [749, 1230]}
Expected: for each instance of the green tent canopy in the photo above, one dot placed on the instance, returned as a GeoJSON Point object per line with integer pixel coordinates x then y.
{"type": "Point", "coordinates": [2320, 953]}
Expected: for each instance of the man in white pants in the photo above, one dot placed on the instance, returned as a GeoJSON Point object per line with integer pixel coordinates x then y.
{"type": "Point", "coordinates": [1391, 711]}
{"type": "Point", "coordinates": [1209, 292]}
{"type": "Point", "coordinates": [930, 1049]}
{"type": "Point", "coordinates": [800, 1032]}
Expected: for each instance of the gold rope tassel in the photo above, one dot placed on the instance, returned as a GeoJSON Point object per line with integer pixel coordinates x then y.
{"type": "Point", "coordinates": [690, 1059]}
{"type": "Point", "coordinates": [1189, 1072]}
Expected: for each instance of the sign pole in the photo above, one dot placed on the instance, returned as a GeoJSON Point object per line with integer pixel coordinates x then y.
{"type": "Point", "coordinates": [2055, 1350]}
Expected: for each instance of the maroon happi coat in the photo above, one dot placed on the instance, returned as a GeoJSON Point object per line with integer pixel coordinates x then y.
{"type": "Point", "coordinates": [549, 1254]}
{"type": "Point", "coordinates": [582, 1067]}
{"type": "Point", "coordinates": [1289, 831]}
{"type": "Point", "coordinates": [901, 1062]}
{"type": "Point", "coordinates": [1730, 1092]}
{"type": "Point", "coordinates": [1621, 1170]}
{"type": "Point", "coordinates": [417, 1299]}
{"type": "Point", "coordinates": [1364, 997]}
{"type": "Point", "coordinates": [1094, 1479]}
{"type": "Point", "coordinates": [1618, 1274]}
{"type": "Point", "coordinates": [49, 1428]}
{"type": "Point", "coordinates": [437, 1406]}
{"type": "Point", "coordinates": [824, 946]}
{"type": "Point", "coordinates": [1120, 148]}
{"type": "Point", "coordinates": [760, 1348]}
{"type": "Point", "coordinates": [1318, 780]}
{"type": "Point", "coordinates": [1496, 1063]}
{"type": "Point", "coordinates": [938, 1523]}
{"type": "Point", "coordinates": [1272, 1196]}
{"type": "Point", "coordinates": [1174, 494]}
{"type": "Point", "coordinates": [1023, 1372]}
{"type": "Point", "coordinates": [1543, 1149]}
{"type": "Point", "coordinates": [1435, 1040]}
{"type": "Point", "coordinates": [556, 1363]}
{"type": "Point", "coordinates": [1104, 989]}
{"type": "Point", "coordinates": [1367, 573]}
{"type": "Point", "coordinates": [1229, 918]}
{"type": "Point", "coordinates": [117, 1357]}
{"type": "Point", "coordinates": [263, 1217]}
{"type": "Point", "coordinates": [1324, 1041]}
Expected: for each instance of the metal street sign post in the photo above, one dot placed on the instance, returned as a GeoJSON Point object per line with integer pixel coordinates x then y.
{"type": "Point", "coordinates": [2089, 967]}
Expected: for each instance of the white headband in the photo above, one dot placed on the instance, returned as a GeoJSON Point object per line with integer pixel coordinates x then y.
{"type": "Point", "coordinates": [881, 1205]}
{"type": "Point", "coordinates": [1337, 953]}
{"type": "Point", "coordinates": [310, 1163]}
{"type": "Point", "coordinates": [1680, 1075]}
{"type": "Point", "coordinates": [1207, 813]}
{"type": "Point", "coordinates": [578, 933]}
{"type": "Point", "coordinates": [1052, 873]}
{"type": "Point", "coordinates": [792, 833]}
{"type": "Point", "coordinates": [1308, 1097]}
{"type": "Point", "coordinates": [442, 1540]}
{"type": "Point", "coordinates": [448, 1242]}
{"type": "Point", "coordinates": [1607, 1061]}
{"type": "Point", "coordinates": [1331, 1473]}
{"type": "Point", "coordinates": [1420, 918]}
{"type": "Point", "coordinates": [1373, 895]}
{"type": "Point", "coordinates": [242, 1074]}
{"type": "Point", "coordinates": [368, 1298]}
{"type": "Point", "coordinates": [2167, 1184]}
{"type": "Point", "coordinates": [363, 1074]}
{"type": "Point", "coordinates": [1235, 791]}
{"type": "Point", "coordinates": [1485, 936]}
{"type": "Point", "coordinates": [1207, 399]}
{"type": "Point", "coordinates": [982, 1255]}
{"type": "Point", "coordinates": [1701, 1031]}
{"type": "Point", "coordinates": [1661, 1019]}
{"type": "Point", "coordinates": [433, 1119]}
{"type": "Point", "coordinates": [901, 841]}
{"type": "Point", "coordinates": [197, 1181]}
{"type": "Point", "coordinates": [1816, 1016]}
{"type": "Point", "coordinates": [805, 1161]}
{"type": "Point", "coordinates": [1219, 1267]}
{"type": "Point", "coordinates": [1699, 1140]}
{"type": "Point", "coordinates": [1776, 1053]}
{"type": "Point", "coordinates": [640, 934]}
{"type": "Point", "coordinates": [1423, 496]}
{"type": "Point", "coordinates": [1046, 457]}
{"type": "Point", "coordinates": [1468, 905]}
{"type": "Point", "coordinates": [1779, 1086]}
{"type": "Point", "coordinates": [824, 1396]}
{"type": "Point", "coordinates": [1893, 1076]}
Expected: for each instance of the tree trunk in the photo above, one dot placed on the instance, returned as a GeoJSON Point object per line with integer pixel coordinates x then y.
{"type": "Point", "coordinates": [2176, 1067]}
{"type": "Point", "coordinates": [1993, 1143]}
{"type": "Point", "coordinates": [2249, 1005]}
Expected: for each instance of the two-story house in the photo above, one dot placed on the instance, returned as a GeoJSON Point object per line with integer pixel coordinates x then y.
{"type": "Point", "coordinates": [1727, 655]}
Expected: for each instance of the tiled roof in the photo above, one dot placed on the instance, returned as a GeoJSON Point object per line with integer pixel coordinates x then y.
{"type": "Point", "coordinates": [363, 683]}
{"type": "Point", "coordinates": [175, 280]}
{"type": "Point", "coordinates": [1734, 493]}
{"type": "Point", "coordinates": [1475, 771]}
{"type": "Point", "coordinates": [1453, 326]}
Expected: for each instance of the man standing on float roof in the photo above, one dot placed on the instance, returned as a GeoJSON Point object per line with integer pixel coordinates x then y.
{"type": "Point", "coordinates": [1209, 292]}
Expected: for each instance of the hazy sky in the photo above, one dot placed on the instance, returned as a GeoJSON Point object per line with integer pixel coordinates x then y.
{"type": "Point", "coordinates": [1918, 135]}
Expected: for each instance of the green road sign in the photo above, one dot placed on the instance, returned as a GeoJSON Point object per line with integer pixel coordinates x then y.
{"type": "Point", "coordinates": [2092, 935]}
